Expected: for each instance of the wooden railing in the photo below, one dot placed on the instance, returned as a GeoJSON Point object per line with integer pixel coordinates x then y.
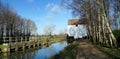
{"type": "Point", "coordinates": [8, 40]}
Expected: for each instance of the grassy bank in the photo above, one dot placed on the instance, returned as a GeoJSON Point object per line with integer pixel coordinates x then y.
{"type": "Point", "coordinates": [3, 48]}
{"type": "Point", "coordinates": [49, 40]}
{"type": "Point", "coordinates": [69, 52]}
{"type": "Point", "coordinates": [112, 52]}
{"type": "Point", "coordinates": [0, 48]}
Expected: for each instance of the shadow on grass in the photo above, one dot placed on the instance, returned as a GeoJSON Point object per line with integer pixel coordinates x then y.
{"type": "Point", "coordinates": [69, 52]}
{"type": "Point", "coordinates": [111, 52]}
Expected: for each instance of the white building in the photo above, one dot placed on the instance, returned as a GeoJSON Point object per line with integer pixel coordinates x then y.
{"type": "Point", "coordinates": [76, 28]}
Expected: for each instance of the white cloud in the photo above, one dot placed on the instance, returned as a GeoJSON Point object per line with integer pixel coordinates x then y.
{"type": "Point", "coordinates": [55, 9]}
{"type": "Point", "coordinates": [49, 5]}
{"type": "Point", "coordinates": [50, 16]}
{"type": "Point", "coordinates": [52, 9]}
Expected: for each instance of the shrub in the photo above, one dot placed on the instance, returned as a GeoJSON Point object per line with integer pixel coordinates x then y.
{"type": "Point", "coordinates": [117, 35]}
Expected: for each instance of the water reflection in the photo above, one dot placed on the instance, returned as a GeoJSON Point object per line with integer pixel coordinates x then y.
{"type": "Point", "coordinates": [43, 53]}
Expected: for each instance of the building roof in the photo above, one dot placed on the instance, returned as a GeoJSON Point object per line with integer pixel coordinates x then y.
{"type": "Point", "coordinates": [77, 21]}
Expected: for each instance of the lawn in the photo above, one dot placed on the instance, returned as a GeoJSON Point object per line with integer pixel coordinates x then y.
{"type": "Point", "coordinates": [112, 52]}
{"type": "Point", "coordinates": [53, 39]}
{"type": "Point", "coordinates": [69, 52]}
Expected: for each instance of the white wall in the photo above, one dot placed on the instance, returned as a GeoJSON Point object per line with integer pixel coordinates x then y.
{"type": "Point", "coordinates": [77, 31]}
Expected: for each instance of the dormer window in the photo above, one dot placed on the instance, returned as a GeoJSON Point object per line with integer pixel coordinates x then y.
{"type": "Point", "coordinates": [76, 25]}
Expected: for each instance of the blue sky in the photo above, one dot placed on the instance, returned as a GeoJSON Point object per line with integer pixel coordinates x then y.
{"type": "Point", "coordinates": [42, 12]}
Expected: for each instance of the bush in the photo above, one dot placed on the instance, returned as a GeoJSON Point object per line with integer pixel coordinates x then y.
{"type": "Point", "coordinates": [117, 35]}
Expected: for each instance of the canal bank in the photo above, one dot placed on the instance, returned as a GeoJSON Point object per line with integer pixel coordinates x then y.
{"type": "Point", "coordinates": [69, 51]}
{"type": "Point", "coordinates": [47, 40]}
{"type": "Point", "coordinates": [45, 52]}
{"type": "Point", "coordinates": [83, 49]}
{"type": "Point", "coordinates": [32, 43]}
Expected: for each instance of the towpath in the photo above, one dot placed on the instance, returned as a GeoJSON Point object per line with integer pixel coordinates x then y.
{"type": "Point", "coordinates": [86, 50]}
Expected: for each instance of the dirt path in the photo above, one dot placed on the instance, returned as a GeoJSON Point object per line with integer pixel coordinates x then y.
{"type": "Point", "coordinates": [88, 51]}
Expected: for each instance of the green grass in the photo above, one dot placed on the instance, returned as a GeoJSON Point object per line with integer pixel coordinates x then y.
{"type": "Point", "coordinates": [69, 52]}
{"type": "Point", "coordinates": [3, 46]}
{"type": "Point", "coordinates": [112, 52]}
{"type": "Point", "coordinates": [52, 40]}
{"type": "Point", "coordinates": [0, 48]}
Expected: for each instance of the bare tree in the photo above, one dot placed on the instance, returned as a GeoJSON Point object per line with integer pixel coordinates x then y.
{"type": "Point", "coordinates": [30, 26]}
{"type": "Point", "coordinates": [98, 22]}
{"type": "Point", "coordinates": [11, 24]}
{"type": "Point", "coordinates": [63, 32]}
{"type": "Point", "coordinates": [49, 29]}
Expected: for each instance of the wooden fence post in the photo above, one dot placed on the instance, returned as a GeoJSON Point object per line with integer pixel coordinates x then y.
{"type": "Point", "coordinates": [3, 40]}
{"type": "Point", "coordinates": [21, 39]}
{"type": "Point", "coordinates": [16, 39]}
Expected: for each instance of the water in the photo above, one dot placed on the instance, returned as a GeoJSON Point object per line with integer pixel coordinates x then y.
{"type": "Point", "coordinates": [43, 53]}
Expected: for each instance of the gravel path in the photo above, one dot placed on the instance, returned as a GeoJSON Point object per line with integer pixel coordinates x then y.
{"type": "Point", "coordinates": [88, 51]}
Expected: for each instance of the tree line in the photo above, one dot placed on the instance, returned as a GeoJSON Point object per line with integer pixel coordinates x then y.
{"type": "Point", "coordinates": [101, 15]}
{"type": "Point", "coordinates": [13, 25]}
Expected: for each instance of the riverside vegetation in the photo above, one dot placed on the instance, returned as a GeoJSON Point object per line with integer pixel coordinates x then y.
{"type": "Point", "coordinates": [47, 40]}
